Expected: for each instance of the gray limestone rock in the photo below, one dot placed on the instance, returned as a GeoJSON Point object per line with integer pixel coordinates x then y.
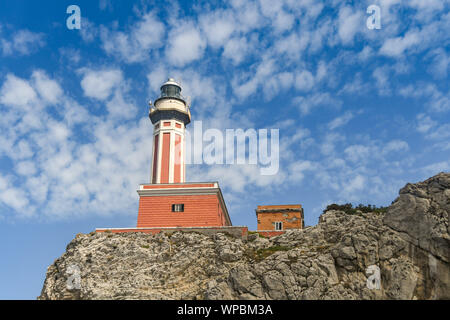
{"type": "Point", "coordinates": [409, 246]}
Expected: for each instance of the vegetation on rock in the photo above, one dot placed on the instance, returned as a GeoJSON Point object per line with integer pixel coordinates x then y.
{"type": "Point", "coordinates": [349, 209]}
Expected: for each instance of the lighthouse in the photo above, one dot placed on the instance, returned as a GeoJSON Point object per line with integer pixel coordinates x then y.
{"type": "Point", "coordinates": [168, 201]}
{"type": "Point", "coordinates": [169, 116]}
{"type": "Point", "coordinates": [170, 204]}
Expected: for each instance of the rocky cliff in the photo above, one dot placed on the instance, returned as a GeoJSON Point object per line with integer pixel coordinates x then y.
{"type": "Point", "coordinates": [337, 259]}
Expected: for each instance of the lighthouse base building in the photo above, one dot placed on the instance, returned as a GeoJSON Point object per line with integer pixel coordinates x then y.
{"type": "Point", "coordinates": [188, 207]}
{"type": "Point", "coordinates": [182, 205]}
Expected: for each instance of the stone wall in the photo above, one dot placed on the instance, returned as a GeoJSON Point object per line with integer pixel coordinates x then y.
{"type": "Point", "coordinates": [240, 232]}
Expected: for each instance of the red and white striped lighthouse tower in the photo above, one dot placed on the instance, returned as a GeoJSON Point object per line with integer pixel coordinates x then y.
{"type": "Point", "coordinates": [168, 201]}
{"type": "Point", "coordinates": [170, 115]}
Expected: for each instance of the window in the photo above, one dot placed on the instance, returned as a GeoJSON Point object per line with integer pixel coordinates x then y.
{"type": "Point", "coordinates": [170, 90]}
{"type": "Point", "coordinates": [278, 225]}
{"type": "Point", "coordinates": [177, 207]}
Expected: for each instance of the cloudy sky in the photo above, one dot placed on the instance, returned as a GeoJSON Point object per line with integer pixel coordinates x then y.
{"type": "Point", "coordinates": [360, 111]}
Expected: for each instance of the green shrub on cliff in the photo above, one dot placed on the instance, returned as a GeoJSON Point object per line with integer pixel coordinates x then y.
{"type": "Point", "coordinates": [349, 209]}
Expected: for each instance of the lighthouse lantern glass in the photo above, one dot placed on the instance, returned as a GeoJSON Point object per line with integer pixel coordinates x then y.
{"type": "Point", "coordinates": [171, 90]}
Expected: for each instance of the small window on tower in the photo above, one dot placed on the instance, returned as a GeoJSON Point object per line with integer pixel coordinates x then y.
{"type": "Point", "coordinates": [178, 207]}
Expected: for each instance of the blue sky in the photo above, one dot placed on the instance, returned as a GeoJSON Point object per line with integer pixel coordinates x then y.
{"type": "Point", "coordinates": [361, 112]}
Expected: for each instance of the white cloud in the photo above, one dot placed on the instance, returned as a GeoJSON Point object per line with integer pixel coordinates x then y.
{"type": "Point", "coordinates": [105, 4]}
{"type": "Point", "coordinates": [355, 184]}
{"type": "Point", "coordinates": [26, 98]}
{"type": "Point", "coordinates": [281, 19]}
{"type": "Point", "coordinates": [22, 42]}
{"type": "Point", "coordinates": [88, 30]}
{"type": "Point", "coordinates": [248, 15]}
{"type": "Point", "coordinates": [292, 45]}
{"type": "Point", "coordinates": [424, 123]}
{"type": "Point", "coordinates": [426, 8]}
{"type": "Point", "coordinates": [58, 131]}
{"type": "Point", "coordinates": [357, 153]}
{"type": "Point", "coordinates": [186, 44]}
{"type": "Point", "coordinates": [58, 174]}
{"type": "Point", "coordinates": [437, 100]}
{"type": "Point", "coordinates": [136, 44]}
{"type": "Point", "coordinates": [350, 22]}
{"type": "Point", "coordinates": [395, 47]}
{"type": "Point", "coordinates": [277, 83]}
{"type": "Point", "coordinates": [340, 121]}
{"type": "Point", "coordinates": [157, 77]}
{"type": "Point", "coordinates": [435, 168]}
{"type": "Point", "coordinates": [236, 49]}
{"type": "Point", "coordinates": [357, 86]}
{"type": "Point", "coordinates": [423, 34]}
{"type": "Point", "coordinates": [329, 144]}
{"type": "Point", "coordinates": [48, 89]}
{"type": "Point", "coordinates": [71, 55]}
{"type": "Point", "coordinates": [120, 108]}
{"type": "Point", "coordinates": [424, 4]}
{"type": "Point", "coordinates": [441, 132]}
{"type": "Point", "coordinates": [365, 53]}
{"type": "Point", "coordinates": [298, 169]}
{"type": "Point", "coordinates": [440, 63]}
{"type": "Point", "coordinates": [14, 198]}
{"type": "Point", "coordinates": [236, 178]}
{"type": "Point", "coordinates": [99, 84]}
{"type": "Point", "coordinates": [308, 103]}
{"type": "Point", "coordinates": [26, 168]}
{"type": "Point", "coordinates": [218, 27]}
{"type": "Point", "coordinates": [16, 92]}
{"type": "Point", "coordinates": [395, 145]}
{"type": "Point", "coordinates": [304, 81]}
{"type": "Point", "coordinates": [21, 150]}
{"type": "Point", "coordinates": [254, 79]}
{"type": "Point", "coordinates": [381, 75]}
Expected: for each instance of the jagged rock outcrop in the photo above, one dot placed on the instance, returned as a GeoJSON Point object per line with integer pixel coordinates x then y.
{"type": "Point", "coordinates": [410, 245]}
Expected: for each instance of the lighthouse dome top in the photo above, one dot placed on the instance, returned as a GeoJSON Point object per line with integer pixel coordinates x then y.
{"type": "Point", "coordinates": [171, 81]}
